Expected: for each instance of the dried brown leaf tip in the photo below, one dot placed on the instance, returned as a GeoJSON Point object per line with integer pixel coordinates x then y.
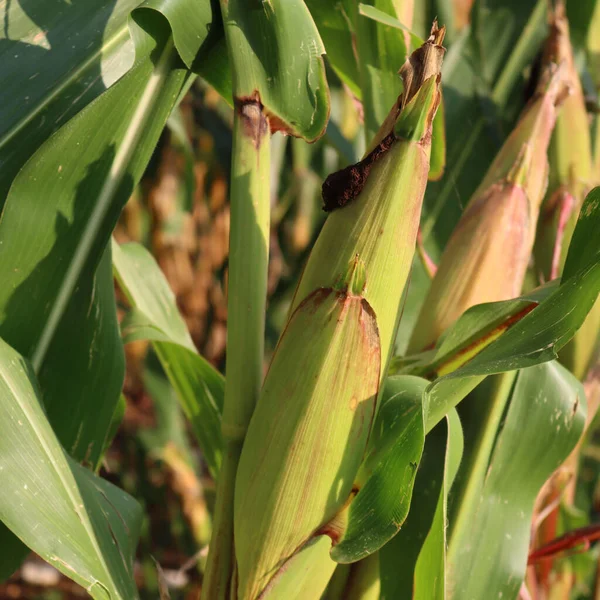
{"type": "Point", "coordinates": [343, 186]}
{"type": "Point", "coordinates": [423, 63]}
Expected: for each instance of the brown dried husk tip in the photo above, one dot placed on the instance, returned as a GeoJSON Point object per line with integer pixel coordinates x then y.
{"type": "Point", "coordinates": [558, 46]}
{"type": "Point", "coordinates": [423, 63]}
{"type": "Point", "coordinates": [426, 61]}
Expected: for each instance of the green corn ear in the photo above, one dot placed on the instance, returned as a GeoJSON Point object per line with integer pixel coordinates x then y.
{"type": "Point", "coordinates": [487, 255]}
{"type": "Point", "coordinates": [571, 178]}
{"type": "Point", "coordinates": [308, 434]}
{"type": "Point", "coordinates": [570, 157]}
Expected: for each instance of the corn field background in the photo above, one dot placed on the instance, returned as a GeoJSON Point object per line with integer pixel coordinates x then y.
{"type": "Point", "coordinates": [299, 299]}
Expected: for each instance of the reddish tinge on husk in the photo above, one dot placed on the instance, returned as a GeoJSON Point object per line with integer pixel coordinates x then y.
{"type": "Point", "coordinates": [308, 434]}
{"type": "Point", "coordinates": [488, 253]}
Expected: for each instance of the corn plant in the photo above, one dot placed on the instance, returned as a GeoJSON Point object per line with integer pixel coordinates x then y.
{"type": "Point", "coordinates": [409, 411]}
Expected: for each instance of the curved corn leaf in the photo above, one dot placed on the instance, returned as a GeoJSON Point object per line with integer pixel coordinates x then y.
{"type": "Point", "coordinates": [265, 36]}
{"type": "Point", "coordinates": [59, 56]}
{"type": "Point", "coordinates": [58, 246]}
{"type": "Point", "coordinates": [56, 307]}
{"type": "Point", "coordinates": [84, 367]}
{"type": "Point", "coordinates": [584, 249]}
{"type": "Point", "coordinates": [398, 558]}
{"type": "Point", "coordinates": [80, 524]}
{"type": "Point", "coordinates": [171, 427]}
{"type": "Point", "coordinates": [431, 574]}
{"type": "Point", "coordinates": [388, 473]}
{"type": "Point", "coordinates": [155, 317]}
{"type": "Point", "coordinates": [333, 20]}
{"type": "Point", "coordinates": [578, 354]}
{"type": "Point", "coordinates": [381, 50]}
{"type": "Point", "coordinates": [56, 57]}
{"type": "Point", "coordinates": [413, 563]}
{"type": "Point", "coordinates": [382, 44]}
{"type": "Point", "coordinates": [482, 413]}
{"type": "Point", "coordinates": [519, 333]}
{"type": "Point", "coordinates": [545, 419]}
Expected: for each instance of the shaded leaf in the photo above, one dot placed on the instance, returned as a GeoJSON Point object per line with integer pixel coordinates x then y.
{"type": "Point", "coordinates": [431, 573]}
{"type": "Point", "coordinates": [413, 562]}
{"type": "Point", "coordinates": [156, 318]}
{"type": "Point", "coordinates": [56, 57]}
{"type": "Point", "coordinates": [53, 290]}
{"type": "Point", "coordinates": [333, 20]}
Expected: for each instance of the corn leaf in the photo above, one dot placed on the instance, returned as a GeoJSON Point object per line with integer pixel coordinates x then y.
{"type": "Point", "coordinates": [388, 473]}
{"type": "Point", "coordinates": [519, 333]}
{"type": "Point", "coordinates": [333, 22]}
{"type": "Point", "coordinates": [413, 563]}
{"type": "Point", "coordinates": [83, 370]}
{"type": "Point", "coordinates": [266, 36]}
{"type": "Point", "coordinates": [156, 318]}
{"type": "Point", "coordinates": [57, 251]}
{"type": "Point", "coordinates": [545, 419]}
{"type": "Point", "coordinates": [58, 56]}
{"type": "Point", "coordinates": [381, 50]}
{"type": "Point", "coordinates": [56, 305]}
{"type": "Point", "coordinates": [584, 249]}
{"type": "Point", "coordinates": [82, 525]}
{"type": "Point", "coordinates": [50, 52]}
{"type": "Point", "coordinates": [171, 427]}
{"type": "Point", "coordinates": [431, 573]}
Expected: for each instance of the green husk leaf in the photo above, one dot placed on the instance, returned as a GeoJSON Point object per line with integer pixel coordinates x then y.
{"type": "Point", "coordinates": [305, 575]}
{"type": "Point", "coordinates": [380, 223]}
{"type": "Point", "coordinates": [388, 473]}
{"type": "Point", "coordinates": [307, 436]}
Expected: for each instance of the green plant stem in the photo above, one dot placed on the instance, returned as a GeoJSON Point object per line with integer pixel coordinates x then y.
{"type": "Point", "coordinates": [247, 291]}
{"type": "Point", "coordinates": [474, 475]}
